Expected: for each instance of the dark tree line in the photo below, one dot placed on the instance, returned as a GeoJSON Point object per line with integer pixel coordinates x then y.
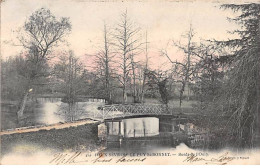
{"type": "Point", "coordinates": [241, 90]}
{"type": "Point", "coordinates": [225, 77]}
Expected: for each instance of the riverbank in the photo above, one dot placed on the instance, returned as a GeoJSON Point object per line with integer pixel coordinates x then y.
{"type": "Point", "coordinates": [9, 114]}
{"type": "Point", "coordinates": [64, 137]}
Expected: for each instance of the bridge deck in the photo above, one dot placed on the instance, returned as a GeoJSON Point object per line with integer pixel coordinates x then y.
{"type": "Point", "coordinates": [163, 116]}
{"type": "Point", "coordinates": [120, 111]}
{"type": "Point", "coordinates": [126, 110]}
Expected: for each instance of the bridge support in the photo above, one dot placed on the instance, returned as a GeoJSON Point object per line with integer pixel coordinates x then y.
{"type": "Point", "coordinates": [165, 124]}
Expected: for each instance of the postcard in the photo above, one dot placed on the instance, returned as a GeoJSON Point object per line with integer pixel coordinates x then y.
{"type": "Point", "coordinates": [99, 82]}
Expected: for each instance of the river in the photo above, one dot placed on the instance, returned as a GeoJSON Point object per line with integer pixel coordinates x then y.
{"type": "Point", "coordinates": [46, 111]}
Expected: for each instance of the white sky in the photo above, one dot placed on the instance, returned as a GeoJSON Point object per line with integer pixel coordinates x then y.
{"type": "Point", "coordinates": [163, 20]}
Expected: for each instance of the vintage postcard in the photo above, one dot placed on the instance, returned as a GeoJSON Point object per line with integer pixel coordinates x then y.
{"type": "Point", "coordinates": [130, 82]}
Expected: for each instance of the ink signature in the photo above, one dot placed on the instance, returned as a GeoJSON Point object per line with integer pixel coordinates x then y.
{"type": "Point", "coordinates": [75, 158]}
{"type": "Point", "coordinates": [64, 158]}
{"type": "Point", "coordinates": [221, 160]}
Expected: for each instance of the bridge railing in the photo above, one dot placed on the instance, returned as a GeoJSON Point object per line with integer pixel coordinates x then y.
{"type": "Point", "coordinates": [122, 110]}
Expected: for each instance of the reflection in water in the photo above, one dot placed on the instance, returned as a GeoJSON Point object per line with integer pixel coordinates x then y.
{"type": "Point", "coordinates": [139, 127]}
{"type": "Point", "coordinates": [47, 113]}
{"type": "Point", "coordinates": [52, 110]}
{"type": "Point", "coordinates": [71, 111]}
{"type": "Point", "coordinates": [134, 127]}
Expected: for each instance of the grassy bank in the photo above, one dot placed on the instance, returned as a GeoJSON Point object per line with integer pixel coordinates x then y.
{"type": "Point", "coordinates": [83, 137]}
{"type": "Point", "coordinates": [9, 115]}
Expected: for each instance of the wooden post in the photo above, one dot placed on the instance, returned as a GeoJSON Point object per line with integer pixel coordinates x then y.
{"type": "Point", "coordinates": [112, 128]}
{"type": "Point", "coordinates": [119, 132]}
{"type": "Point", "coordinates": [174, 124]}
{"type": "Point", "coordinates": [107, 128]}
{"type": "Point", "coordinates": [124, 129]}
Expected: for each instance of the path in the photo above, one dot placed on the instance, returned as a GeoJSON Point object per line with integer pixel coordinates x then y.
{"type": "Point", "coordinates": [53, 126]}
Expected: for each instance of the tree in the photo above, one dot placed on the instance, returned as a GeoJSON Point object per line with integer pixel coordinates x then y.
{"type": "Point", "coordinates": [145, 69]}
{"type": "Point", "coordinates": [104, 60]}
{"type": "Point", "coordinates": [158, 81]}
{"type": "Point", "coordinates": [133, 67]}
{"type": "Point", "coordinates": [72, 76]}
{"type": "Point", "coordinates": [138, 75]}
{"type": "Point", "coordinates": [13, 82]}
{"type": "Point", "coordinates": [184, 70]}
{"type": "Point", "coordinates": [209, 73]}
{"type": "Point", "coordinates": [242, 86]}
{"type": "Point", "coordinates": [128, 44]}
{"type": "Point", "coordinates": [42, 32]}
{"type": "Point", "coordinates": [31, 68]}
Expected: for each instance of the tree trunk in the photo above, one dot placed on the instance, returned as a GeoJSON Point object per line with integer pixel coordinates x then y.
{"type": "Point", "coordinates": [124, 80]}
{"type": "Point", "coordinates": [188, 92]}
{"type": "Point", "coordinates": [134, 79]}
{"type": "Point", "coordinates": [146, 67]}
{"type": "Point", "coordinates": [107, 75]}
{"type": "Point", "coordinates": [107, 85]}
{"type": "Point", "coordinates": [143, 87]}
{"type": "Point", "coordinates": [22, 107]}
{"type": "Point", "coordinates": [135, 95]}
{"type": "Point", "coordinates": [124, 95]}
{"type": "Point", "coordinates": [181, 92]}
{"type": "Point", "coordinates": [124, 90]}
{"type": "Point", "coordinates": [258, 90]}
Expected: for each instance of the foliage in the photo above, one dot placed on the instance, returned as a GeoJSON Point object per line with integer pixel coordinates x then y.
{"type": "Point", "coordinates": [241, 92]}
{"type": "Point", "coordinates": [158, 82]}
{"type": "Point", "coordinates": [209, 74]}
{"type": "Point", "coordinates": [12, 83]}
{"type": "Point", "coordinates": [71, 74]}
{"type": "Point", "coordinates": [41, 32]}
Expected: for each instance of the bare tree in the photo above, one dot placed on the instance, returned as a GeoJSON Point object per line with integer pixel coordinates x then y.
{"type": "Point", "coordinates": [128, 45]}
{"type": "Point", "coordinates": [145, 69]}
{"type": "Point", "coordinates": [104, 61]}
{"type": "Point", "coordinates": [42, 32]}
{"type": "Point", "coordinates": [184, 70]}
{"type": "Point", "coordinates": [134, 68]}
{"type": "Point", "coordinates": [139, 75]}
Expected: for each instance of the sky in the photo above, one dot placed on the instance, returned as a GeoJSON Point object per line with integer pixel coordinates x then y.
{"type": "Point", "coordinates": [164, 21]}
